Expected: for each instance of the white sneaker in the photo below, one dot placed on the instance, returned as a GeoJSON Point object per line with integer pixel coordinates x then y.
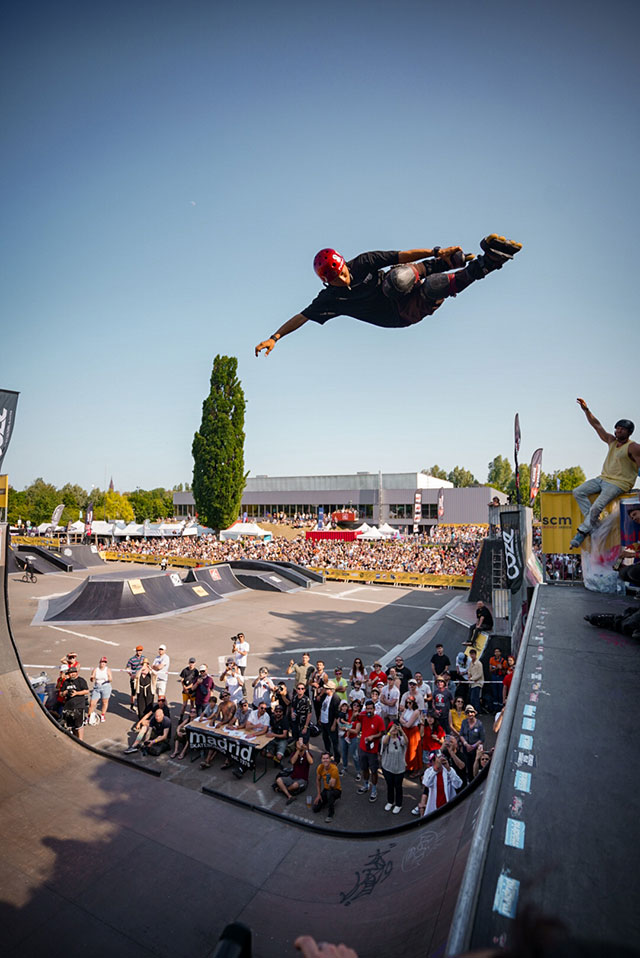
{"type": "Point", "coordinates": [416, 810]}
{"type": "Point", "coordinates": [397, 809]}
{"type": "Point", "coordinates": [388, 806]}
{"type": "Point", "coordinates": [374, 795]}
{"type": "Point", "coordinates": [363, 788]}
{"type": "Point", "coordinates": [102, 717]}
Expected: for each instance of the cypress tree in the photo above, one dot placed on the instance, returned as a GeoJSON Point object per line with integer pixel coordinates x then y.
{"type": "Point", "coordinates": [218, 448]}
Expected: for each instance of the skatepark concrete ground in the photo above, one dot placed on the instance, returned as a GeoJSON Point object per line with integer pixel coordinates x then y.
{"type": "Point", "coordinates": [336, 621]}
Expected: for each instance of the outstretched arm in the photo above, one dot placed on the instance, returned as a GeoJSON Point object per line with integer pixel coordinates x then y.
{"type": "Point", "coordinates": [413, 255]}
{"type": "Point", "coordinates": [597, 425]}
{"type": "Point", "coordinates": [289, 327]}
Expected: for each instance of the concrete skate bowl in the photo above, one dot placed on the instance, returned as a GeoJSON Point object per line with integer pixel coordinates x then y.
{"type": "Point", "coordinates": [117, 599]}
{"type": "Point", "coordinates": [80, 831]}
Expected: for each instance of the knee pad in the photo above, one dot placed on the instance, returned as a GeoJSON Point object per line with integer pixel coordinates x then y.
{"type": "Point", "coordinates": [438, 286]}
{"type": "Point", "coordinates": [400, 281]}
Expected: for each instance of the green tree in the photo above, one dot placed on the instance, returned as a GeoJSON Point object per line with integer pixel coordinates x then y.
{"type": "Point", "coordinates": [569, 478]}
{"type": "Point", "coordinates": [41, 499]}
{"type": "Point", "coordinates": [462, 477]}
{"type": "Point", "coordinates": [18, 507]}
{"type": "Point", "coordinates": [435, 471]}
{"type": "Point", "coordinates": [218, 448]}
{"type": "Point", "coordinates": [75, 501]}
{"type": "Point", "coordinates": [118, 507]}
{"type": "Point", "coordinates": [500, 474]}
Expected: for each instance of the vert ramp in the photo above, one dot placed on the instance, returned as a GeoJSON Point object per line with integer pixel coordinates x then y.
{"type": "Point", "coordinates": [99, 855]}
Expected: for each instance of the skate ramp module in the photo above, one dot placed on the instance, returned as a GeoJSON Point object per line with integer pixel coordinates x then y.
{"type": "Point", "coordinates": [219, 577]}
{"type": "Point", "coordinates": [110, 600]}
{"type": "Point", "coordinates": [46, 560]}
{"type": "Point", "coordinates": [79, 828]}
{"type": "Point", "coordinates": [82, 556]}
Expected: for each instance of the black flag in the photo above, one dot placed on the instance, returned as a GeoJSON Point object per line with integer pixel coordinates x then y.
{"type": "Point", "coordinates": [516, 441]}
{"type": "Point", "coordinates": [8, 404]}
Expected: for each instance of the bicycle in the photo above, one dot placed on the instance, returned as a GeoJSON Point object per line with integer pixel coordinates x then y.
{"type": "Point", "coordinates": [29, 576]}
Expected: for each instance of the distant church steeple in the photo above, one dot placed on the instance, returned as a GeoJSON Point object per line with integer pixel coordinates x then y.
{"type": "Point", "coordinates": [111, 485]}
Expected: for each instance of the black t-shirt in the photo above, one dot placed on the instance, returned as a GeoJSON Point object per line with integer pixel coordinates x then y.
{"type": "Point", "coordinates": [75, 685]}
{"type": "Point", "coordinates": [279, 725]}
{"type": "Point", "coordinates": [440, 663]}
{"type": "Point", "coordinates": [159, 727]}
{"type": "Point", "coordinates": [364, 299]}
{"type": "Point", "coordinates": [483, 613]}
{"type": "Point", "coordinates": [189, 675]}
{"type": "Point", "coordinates": [404, 675]}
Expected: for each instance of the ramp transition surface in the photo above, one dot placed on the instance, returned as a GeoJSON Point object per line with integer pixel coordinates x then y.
{"type": "Point", "coordinates": [101, 857]}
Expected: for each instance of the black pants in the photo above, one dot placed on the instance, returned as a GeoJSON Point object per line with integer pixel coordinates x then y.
{"type": "Point", "coordinates": [331, 741]}
{"type": "Point", "coordinates": [328, 796]}
{"type": "Point", "coordinates": [394, 786]}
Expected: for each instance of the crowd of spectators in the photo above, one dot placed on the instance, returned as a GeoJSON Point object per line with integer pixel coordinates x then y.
{"type": "Point", "coordinates": [371, 723]}
{"type": "Point", "coordinates": [454, 551]}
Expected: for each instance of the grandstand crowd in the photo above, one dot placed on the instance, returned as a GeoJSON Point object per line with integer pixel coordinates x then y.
{"type": "Point", "coordinates": [450, 550]}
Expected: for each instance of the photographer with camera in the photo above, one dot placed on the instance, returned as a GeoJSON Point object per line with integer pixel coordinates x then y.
{"type": "Point", "coordinates": [292, 781]}
{"type": "Point", "coordinates": [75, 693]}
{"type": "Point", "coordinates": [233, 681]}
{"type": "Point", "coordinates": [440, 782]}
{"type": "Point", "coordinates": [240, 649]}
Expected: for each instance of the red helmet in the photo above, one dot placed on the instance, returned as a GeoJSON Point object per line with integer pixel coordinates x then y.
{"type": "Point", "coordinates": [327, 264]}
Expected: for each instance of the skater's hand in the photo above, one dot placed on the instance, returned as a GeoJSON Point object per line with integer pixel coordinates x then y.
{"type": "Point", "coordinates": [267, 345]}
{"type": "Point", "coordinates": [582, 404]}
{"type": "Point", "coordinates": [323, 949]}
{"type": "Point", "coordinates": [446, 251]}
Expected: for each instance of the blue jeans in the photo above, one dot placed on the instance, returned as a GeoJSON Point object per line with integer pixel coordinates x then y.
{"type": "Point", "coordinates": [606, 491]}
{"type": "Point", "coordinates": [350, 750]}
{"type": "Point", "coordinates": [474, 697]}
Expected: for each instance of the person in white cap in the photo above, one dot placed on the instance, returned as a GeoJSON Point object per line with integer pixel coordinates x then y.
{"type": "Point", "coordinates": [160, 669]}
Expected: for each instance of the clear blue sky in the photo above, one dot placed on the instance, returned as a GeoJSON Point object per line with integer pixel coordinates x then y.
{"type": "Point", "coordinates": [170, 170]}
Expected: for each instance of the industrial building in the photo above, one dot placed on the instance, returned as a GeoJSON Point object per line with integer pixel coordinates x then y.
{"type": "Point", "coordinates": [376, 497]}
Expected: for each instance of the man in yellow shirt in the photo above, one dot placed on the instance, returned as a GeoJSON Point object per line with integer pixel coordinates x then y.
{"type": "Point", "coordinates": [328, 785]}
{"type": "Point", "coordinates": [619, 472]}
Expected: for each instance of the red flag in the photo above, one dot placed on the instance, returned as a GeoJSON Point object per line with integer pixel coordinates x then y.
{"type": "Point", "coordinates": [535, 472]}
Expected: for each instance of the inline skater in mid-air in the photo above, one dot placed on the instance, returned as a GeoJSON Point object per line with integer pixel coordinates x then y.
{"type": "Point", "coordinates": [416, 285]}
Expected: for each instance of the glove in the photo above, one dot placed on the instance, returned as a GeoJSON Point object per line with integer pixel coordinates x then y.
{"type": "Point", "coordinates": [453, 256]}
{"type": "Point", "coordinates": [268, 345]}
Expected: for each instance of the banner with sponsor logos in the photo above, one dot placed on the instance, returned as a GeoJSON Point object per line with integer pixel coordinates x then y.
{"type": "Point", "coordinates": [417, 509]}
{"type": "Point", "coordinates": [517, 437]}
{"type": "Point", "coordinates": [512, 545]}
{"type": "Point", "coordinates": [561, 516]}
{"type": "Point", "coordinates": [88, 520]}
{"type": "Point", "coordinates": [8, 405]}
{"type": "Point", "coordinates": [441, 504]}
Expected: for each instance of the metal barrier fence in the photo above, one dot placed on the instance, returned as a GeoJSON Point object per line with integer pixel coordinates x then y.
{"type": "Point", "coordinates": [396, 578]}
{"type": "Point", "coordinates": [180, 561]}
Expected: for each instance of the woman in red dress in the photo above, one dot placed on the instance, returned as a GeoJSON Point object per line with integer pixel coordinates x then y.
{"type": "Point", "coordinates": [410, 721]}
